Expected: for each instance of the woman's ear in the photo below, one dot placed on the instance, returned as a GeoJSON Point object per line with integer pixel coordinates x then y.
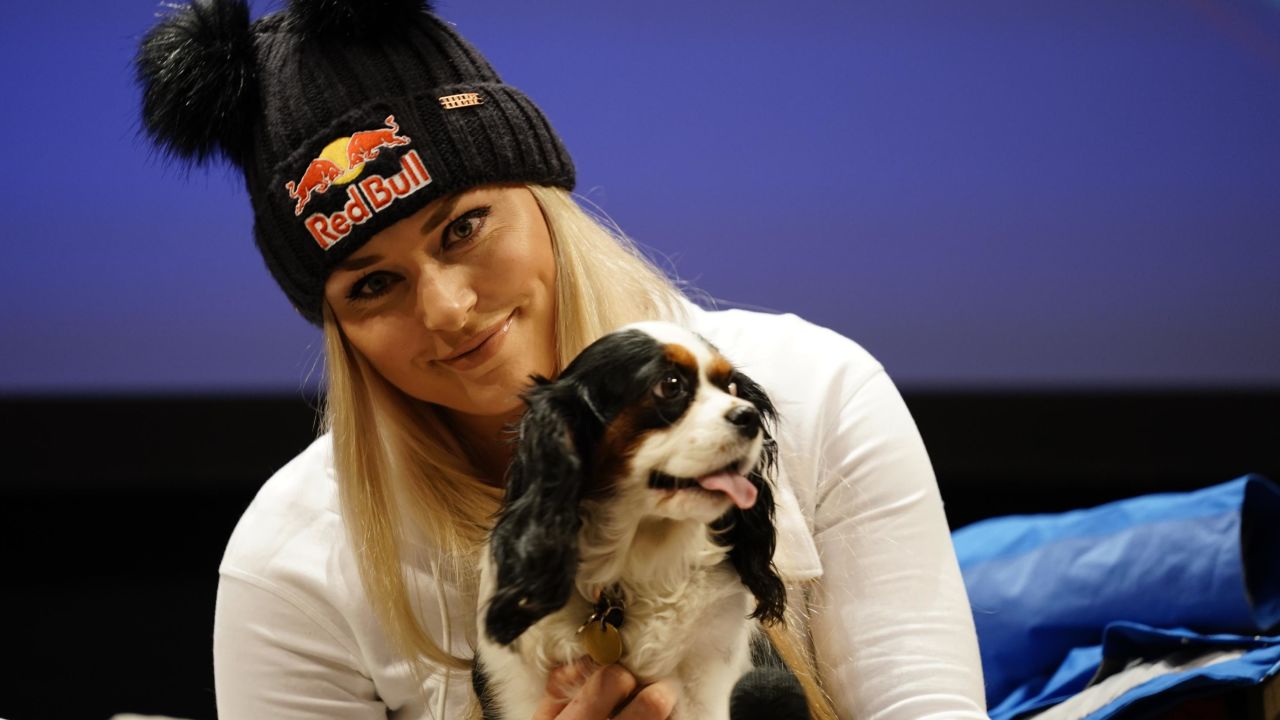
{"type": "Point", "coordinates": [535, 540]}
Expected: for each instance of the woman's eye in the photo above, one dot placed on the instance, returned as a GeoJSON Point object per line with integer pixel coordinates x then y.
{"type": "Point", "coordinates": [465, 227]}
{"type": "Point", "coordinates": [670, 387]}
{"type": "Point", "coordinates": [371, 286]}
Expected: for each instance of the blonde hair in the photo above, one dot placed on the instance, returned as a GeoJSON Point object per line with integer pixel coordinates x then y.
{"type": "Point", "coordinates": [406, 484]}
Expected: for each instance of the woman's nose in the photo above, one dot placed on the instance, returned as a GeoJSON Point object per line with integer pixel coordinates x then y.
{"type": "Point", "coordinates": [445, 299]}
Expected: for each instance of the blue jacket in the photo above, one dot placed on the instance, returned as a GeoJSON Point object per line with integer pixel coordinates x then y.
{"type": "Point", "coordinates": [1055, 595]}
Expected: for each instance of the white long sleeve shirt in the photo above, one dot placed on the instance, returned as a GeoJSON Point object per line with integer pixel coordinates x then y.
{"type": "Point", "coordinates": [858, 512]}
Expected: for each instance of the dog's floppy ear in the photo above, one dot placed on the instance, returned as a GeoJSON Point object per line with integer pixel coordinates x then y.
{"type": "Point", "coordinates": [535, 540]}
{"type": "Point", "coordinates": [750, 532]}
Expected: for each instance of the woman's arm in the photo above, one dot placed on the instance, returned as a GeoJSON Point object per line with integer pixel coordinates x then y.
{"type": "Point", "coordinates": [272, 660]}
{"type": "Point", "coordinates": [891, 623]}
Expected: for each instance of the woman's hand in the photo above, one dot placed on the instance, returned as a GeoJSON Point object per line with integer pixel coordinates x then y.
{"type": "Point", "coordinates": [602, 692]}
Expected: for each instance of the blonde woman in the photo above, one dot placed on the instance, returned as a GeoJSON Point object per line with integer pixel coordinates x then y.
{"type": "Point", "coordinates": [418, 210]}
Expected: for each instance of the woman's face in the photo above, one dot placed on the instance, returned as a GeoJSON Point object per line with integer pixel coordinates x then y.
{"type": "Point", "coordinates": [455, 305]}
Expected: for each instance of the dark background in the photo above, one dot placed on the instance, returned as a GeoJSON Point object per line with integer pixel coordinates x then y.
{"type": "Point", "coordinates": [1057, 225]}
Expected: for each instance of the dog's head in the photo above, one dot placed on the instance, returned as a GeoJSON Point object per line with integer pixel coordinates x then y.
{"type": "Point", "coordinates": [649, 422]}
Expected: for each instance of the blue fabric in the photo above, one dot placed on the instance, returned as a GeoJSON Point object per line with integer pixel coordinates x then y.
{"type": "Point", "coordinates": [1071, 677]}
{"type": "Point", "coordinates": [1123, 642]}
{"type": "Point", "coordinates": [1044, 588]}
{"type": "Point", "coordinates": [1126, 641]}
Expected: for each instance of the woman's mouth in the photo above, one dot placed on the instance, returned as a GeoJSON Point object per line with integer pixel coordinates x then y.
{"type": "Point", "coordinates": [480, 348]}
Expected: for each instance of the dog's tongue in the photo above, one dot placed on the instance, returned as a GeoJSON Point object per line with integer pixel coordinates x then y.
{"type": "Point", "coordinates": [738, 488]}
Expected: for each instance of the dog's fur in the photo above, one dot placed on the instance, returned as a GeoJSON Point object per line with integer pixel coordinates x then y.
{"type": "Point", "coordinates": [590, 508]}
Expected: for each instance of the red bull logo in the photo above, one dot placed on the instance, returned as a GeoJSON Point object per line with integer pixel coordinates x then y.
{"type": "Point", "coordinates": [340, 163]}
{"type": "Point", "coordinates": [367, 197]}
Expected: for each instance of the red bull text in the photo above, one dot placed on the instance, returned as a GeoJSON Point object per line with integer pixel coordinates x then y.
{"type": "Point", "coordinates": [367, 197]}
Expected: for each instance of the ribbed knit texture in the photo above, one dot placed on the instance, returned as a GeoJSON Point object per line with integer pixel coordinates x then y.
{"type": "Point", "coordinates": [315, 91]}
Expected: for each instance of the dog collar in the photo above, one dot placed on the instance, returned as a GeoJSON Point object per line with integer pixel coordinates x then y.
{"type": "Point", "coordinates": [599, 634]}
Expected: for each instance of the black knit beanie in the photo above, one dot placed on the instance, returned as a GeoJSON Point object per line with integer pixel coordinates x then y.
{"type": "Point", "coordinates": [345, 116]}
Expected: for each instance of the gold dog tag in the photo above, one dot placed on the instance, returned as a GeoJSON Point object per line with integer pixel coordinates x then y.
{"type": "Point", "coordinates": [602, 641]}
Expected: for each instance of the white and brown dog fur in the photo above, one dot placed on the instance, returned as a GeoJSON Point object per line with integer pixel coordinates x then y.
{"type": "Point", "coordinates": [643, 472]}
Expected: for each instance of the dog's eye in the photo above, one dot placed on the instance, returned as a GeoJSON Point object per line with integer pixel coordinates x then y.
{"type": "Point", "coordinates": [669, 387]}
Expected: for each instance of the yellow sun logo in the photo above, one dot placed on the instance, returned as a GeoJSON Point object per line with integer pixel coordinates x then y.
{"type": "Point", "coordinates": [336, 153]}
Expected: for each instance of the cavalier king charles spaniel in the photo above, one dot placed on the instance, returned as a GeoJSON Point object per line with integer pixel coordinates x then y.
{"type": "Point", "coordinates": [637, 526]}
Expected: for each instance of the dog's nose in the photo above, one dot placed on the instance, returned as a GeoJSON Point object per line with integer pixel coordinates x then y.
{"type": "Point", "coordinates": [747, 418]}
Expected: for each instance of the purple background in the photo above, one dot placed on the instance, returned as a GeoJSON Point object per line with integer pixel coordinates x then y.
{"type": "Point", "coordinates": [991, 194]}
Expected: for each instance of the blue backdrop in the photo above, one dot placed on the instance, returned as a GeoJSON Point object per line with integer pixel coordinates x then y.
{"type": "Point", "coordinates": [1065, 193]}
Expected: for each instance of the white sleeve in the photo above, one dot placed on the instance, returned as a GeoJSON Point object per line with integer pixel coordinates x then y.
{"type": "Point", "coordinates": [891, 624]}
{"type": "Point", "coordinates": [272, 659]}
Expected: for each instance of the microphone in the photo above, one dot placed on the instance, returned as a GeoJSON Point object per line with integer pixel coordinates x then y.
{"type": "Point", "coordinates": [771, 693]}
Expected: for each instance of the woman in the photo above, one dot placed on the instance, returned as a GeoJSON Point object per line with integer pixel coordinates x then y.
{"type": "Point", "coordinates": [417, 208]}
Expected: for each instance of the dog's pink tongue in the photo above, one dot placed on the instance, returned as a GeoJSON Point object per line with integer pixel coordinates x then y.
{"type": "Point", "coordinates": [738, 488]}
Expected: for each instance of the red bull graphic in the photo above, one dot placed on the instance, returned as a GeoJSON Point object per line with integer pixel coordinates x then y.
{"type": "Point", "coordinates": [318, 177]}
{"type": "Point", "coordinates": [366, 198]}
{"type": "Point", "coordinates": [364, 146]}
{"type": "Point", "coordinates": [340, 163]}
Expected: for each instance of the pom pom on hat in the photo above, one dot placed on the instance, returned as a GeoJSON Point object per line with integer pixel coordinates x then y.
{"type": "Point", "coordinates": [354, 20]}
{"type": "Point", "coordinates": [196, 69]}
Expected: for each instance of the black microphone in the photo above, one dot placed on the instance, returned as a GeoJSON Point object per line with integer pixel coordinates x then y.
{"type": "Point", "coordinates": [771, 693]}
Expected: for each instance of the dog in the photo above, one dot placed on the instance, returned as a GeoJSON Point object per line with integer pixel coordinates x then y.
{"type": "Point", "coordinates": [637, 522]}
